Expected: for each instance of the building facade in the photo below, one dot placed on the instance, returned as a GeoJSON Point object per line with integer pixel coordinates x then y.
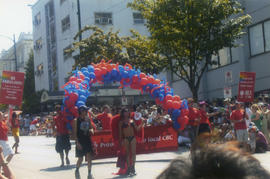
{"type": "Point", "coordinates": [55, 23]}
{"type": "Point", "coordinates": [252, 55]}
{"type": "Point", "coordinates": [24, 45]}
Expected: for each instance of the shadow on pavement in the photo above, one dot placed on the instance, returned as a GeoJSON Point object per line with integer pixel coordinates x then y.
{"type": "Point", "coordinates": [56, 169]}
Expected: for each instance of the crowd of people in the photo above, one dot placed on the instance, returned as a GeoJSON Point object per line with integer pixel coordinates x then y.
{"type": "Point", "coordinates": [247, 123]}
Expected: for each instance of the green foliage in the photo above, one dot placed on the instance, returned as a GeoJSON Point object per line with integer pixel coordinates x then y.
{"type": "Point", "coordinates": [136, 49]}
{"type": "Point", "coordinates": [189, 32]}
{"type": "Point", "coordinates": [31, 99]}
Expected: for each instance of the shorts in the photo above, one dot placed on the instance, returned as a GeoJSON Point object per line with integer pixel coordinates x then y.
{"type": "Point", "coordinates": [33, 127]}
{"type": "Point", "coordinates": [204, 128]}
{"type": "Point", "coordinates": [6, 148]}
{"type": "Point", "coordinates": [16, 132]}
{"type": "Point", "coordinates": [242, 135]}
{"type": "Point", "coordinates": [86, 148]}
{"type": "Point", "coordinates": [62, 143]}
{"type": "Point", "coordinates": [49, 131]}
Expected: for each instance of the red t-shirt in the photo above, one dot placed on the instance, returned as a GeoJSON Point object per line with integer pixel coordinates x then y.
{"type": "Point", "coordinates": [106, 120]}
{"type": "Point", "coordinates": [3, 131]}
{"type": "Point", "coordinates": [61, 124]}
{"type": "Point", "coordinates": [204, 118]}
{"type": "Point", "coordinates": [192, 115]}
{"type": "Point", "coordinates": [237, 115]}
{"type": "Point", "coordinates": [34, 122]}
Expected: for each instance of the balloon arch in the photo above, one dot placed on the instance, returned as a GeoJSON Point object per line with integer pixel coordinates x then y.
{"type": "Point", "coordinates": [77, 89]}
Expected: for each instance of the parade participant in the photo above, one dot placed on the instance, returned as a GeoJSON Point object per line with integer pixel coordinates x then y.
{"type": "Point", "coordinates": [7, 173]}
{"type": "Point", "coordinates": [62, 136]}
{"type": "Point", "coordinates": [33, 128]}
{"type": "Point", "coordinates": [194, 118]}
{"type": "Point", "coordinates": [83, 132]}
{"type": "Point", "coordinates": [204, 123]}
{"type": "Point", "coordinates": [127, 130]}
{"type": "Point", "coordinates": [257, 116]}
{"type": "Point", "coordinates": [7, 151]}
{"type": "Point", "coordinates": [238, 118]}
{"type": "Point", "coordinates": [105, 118]}
{"type": "Point", "coordinates": [15, 131]}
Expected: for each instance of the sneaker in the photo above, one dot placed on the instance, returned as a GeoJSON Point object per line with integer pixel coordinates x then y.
{"type": "Point", "coordinates": [132, 171]}
{"type": "Point", "coordinates": [128, 171]}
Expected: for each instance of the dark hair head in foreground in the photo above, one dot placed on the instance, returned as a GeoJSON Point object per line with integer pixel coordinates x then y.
{"type": "Point", "coordinates": [223, 161]}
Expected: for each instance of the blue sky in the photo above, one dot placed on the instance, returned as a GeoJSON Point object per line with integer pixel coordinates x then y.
{"type": "Point", "coordinates": [15, 17]}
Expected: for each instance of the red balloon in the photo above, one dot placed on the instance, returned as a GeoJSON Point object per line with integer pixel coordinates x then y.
{"type": "Point", "coordinates": [151, 79]}
{"type": "Point", "coordinates": [169, 104]}
{"type": "Point", "coordinates": [104, 70]}
{"type": "Point", "coordinates": [168, 97]}
{"type": "Point", "coordinates": [176, 104]}
{"type": "Point", "coordinates": [158, 102]}
{"type": "Point", "coordinates": [157, 82]}
{"type": "Point", "coordinates": [135, 79]}
{"type": "Point", "coordinates": [72, 78]}
{"type": "Point", "coordinates": [97, 71]}
{"type": "Point", "coordinates": [142, 75]}
{"type": "Point", "coordinates": [81, 76]}
{"type": "Point", "coordinates": [176, 98]}
{"type": "Point", "coordinates": [79, 80]}
{"type": "Point", "coordinates": [144, 81]}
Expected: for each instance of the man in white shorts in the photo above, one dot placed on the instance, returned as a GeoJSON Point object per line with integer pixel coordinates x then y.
{"type": "Point", "coordinates": [238, 118]}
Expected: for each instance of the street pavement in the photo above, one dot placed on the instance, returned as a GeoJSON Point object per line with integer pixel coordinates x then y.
{"type": "Point", "coordinates": [38, 160]}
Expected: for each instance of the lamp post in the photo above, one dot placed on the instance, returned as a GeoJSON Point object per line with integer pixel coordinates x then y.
{"type": "Point", "coordinates": [14, 46]}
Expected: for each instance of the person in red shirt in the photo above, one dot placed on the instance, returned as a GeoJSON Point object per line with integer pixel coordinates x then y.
{"type": "Point", "coordinates": [33, 129]}
{"type": "Point", "coordinates": [194, 118]}
{"type": "Point", "coordinates": [62, 136]}
{"type": "Point", "coordinates": [105, 118]}
{"type": "Point", "coordinates": [15, 127]}
{"type": "Point", "coordinates": [238, 118]}
{"type": "Point", "coordinates": [7, 151]}
{"type": "Point", "coordinates": [204, 123]}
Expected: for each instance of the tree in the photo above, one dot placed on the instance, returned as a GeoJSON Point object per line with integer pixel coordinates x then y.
{"type": "Point", "coordinates": [31, 98]}
{"type": "Point", "coordinates": [135, 49]}
{"type": "Point", "coordinates": [189, 32]}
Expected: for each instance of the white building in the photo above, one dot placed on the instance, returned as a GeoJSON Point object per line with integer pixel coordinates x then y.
{"type": "Point", "coordinates": [24, 45]}
{"type": "Point", "coordinates": [55, 25]}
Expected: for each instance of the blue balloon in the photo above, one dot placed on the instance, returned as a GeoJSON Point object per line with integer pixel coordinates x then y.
{"type": "Point", "coordinates": [84, 69]}
{"type": "Point", "coordinates": [70, 118]}
{"type": "Point", "coordinates": [125, 74]}
{"type": "Point", "coordinates": [82, 98]}
{"type": "Point", "coordinates": [121, 68]}
{"type": "Point", "coordinates": [87, 79]}
{"type": "Point", "coordinates": [92, 75]}
{"type": "Point", "coordinates": [114, 72]}
{"type": "Point", "coordinates": [90, 68]}
{"type": "Point", "coordinates": [86, 73]}
{"type": "Point", "coordinates": [176, 113]}
{"type": "Point", "coordinates": [80, 103]}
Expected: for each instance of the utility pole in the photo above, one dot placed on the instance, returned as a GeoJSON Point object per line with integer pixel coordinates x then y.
{"type": "Point", "coordinates": [79, 18]}
{"type": "Point", "coordinates": [15, 54]}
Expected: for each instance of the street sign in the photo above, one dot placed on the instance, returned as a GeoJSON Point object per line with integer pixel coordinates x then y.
{"type": "Point", "coordinates": [228, 77]}
{"type": "Point", "coordinates": [12, 88]}
{"type": "Point", "coordinates": [227, 92]}
{"type": "Point", "coordinates": [246, 87]}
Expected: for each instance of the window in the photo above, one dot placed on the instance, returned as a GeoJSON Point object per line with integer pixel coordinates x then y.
{"type": "Point", "coordinates": [224, 57]}
{"type": "Point", "coordinates": [65, 23]}
{"type": "Point", "coordinates": [256, 39]}
{"type": "Point", "coordinates": [259, 38]}
{"type": "Point", "coordinates": [37, 19]}
{"type": "Point", "coordinates": [62, 1]}
{"type": "Point", "coordinates": [67, 54]}
{"type": "Point", "coordinates": [38, 44]}
{"type": "Point", "coordinates": [39, 70]}
{"type": "Point", "coordinates": [103, 18]}
{"type": "Point", "coordinates": [138, 18]}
